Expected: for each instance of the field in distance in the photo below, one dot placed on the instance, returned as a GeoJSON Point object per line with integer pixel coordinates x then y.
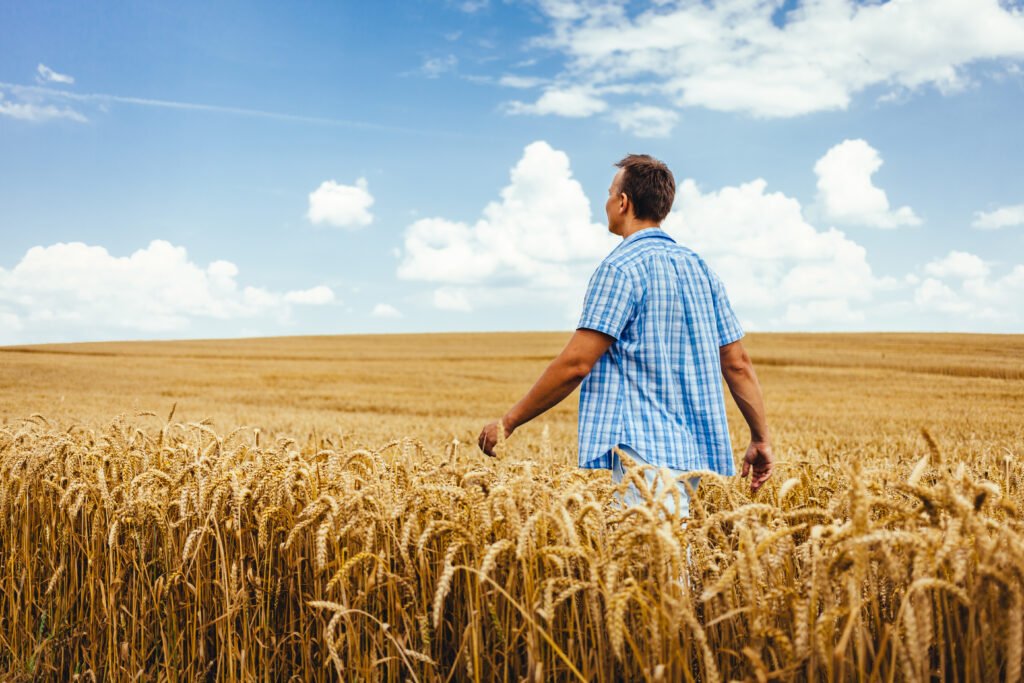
{"type": "Point", "coordinates": [820, 388]}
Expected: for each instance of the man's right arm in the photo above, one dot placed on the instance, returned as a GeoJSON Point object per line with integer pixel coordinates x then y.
{"type": "Point", "coordinates": [739, 375]}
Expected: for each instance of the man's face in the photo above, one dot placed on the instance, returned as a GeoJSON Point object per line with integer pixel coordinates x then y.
{"type": "Point", "coordinates": [614, 202]}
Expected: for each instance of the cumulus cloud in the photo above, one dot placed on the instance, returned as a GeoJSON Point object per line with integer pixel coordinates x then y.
{"type": "Point", "coordinates": [958, 264]}
{"type": "Point", "coordinates": [385, 311]}
{"type": "Point", "coordinates": [846, 193]}
{"type": "Point", "coordinates": [341, 206]}
{"type": "Point", "coordinates": [452, 299]}
{"type": "Point", "coordinates": [933, 295]}
{"type": "Point", "coordinates": [10, 322]}
{"type": "Point", "coordinates": [538, 243]}
{"type": "Point", "coordinates": [776, 265]}
{"type": "Point", "coordinates": [751, 56]}
{"type": "Point", "coordinates": [538, 236]}
{"type": "Point", "coordinates": [74, 289]}
{"type": "Point", "coordinates": [571, 102]}
{"type": "Point", "coordinates": [645, 121]}
{"type": "Point", "coordinates": [963, 283]}
{"type": "Point", "coordinates": [45, 74]}
{"type": "Point", "coordinates": [1003, 217]}
{"type": "Point", "coordinates": [314, 296]}
{"type": "Point", "coordinates": [811, 314]}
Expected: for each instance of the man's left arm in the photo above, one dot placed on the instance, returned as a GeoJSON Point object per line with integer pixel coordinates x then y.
{"type": "Point", "coordinates": [561, 377]}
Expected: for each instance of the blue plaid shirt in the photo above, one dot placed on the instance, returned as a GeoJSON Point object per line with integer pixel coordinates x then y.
{"type": "Point", "coordinates": [658, 388]}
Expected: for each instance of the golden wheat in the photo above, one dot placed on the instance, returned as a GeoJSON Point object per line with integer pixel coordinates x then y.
{"type": "Point", "coordinates": [889, 545]}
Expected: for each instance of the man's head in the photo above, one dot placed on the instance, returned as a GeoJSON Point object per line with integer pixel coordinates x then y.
{"type": "Point", "coordinates": [641, 194]}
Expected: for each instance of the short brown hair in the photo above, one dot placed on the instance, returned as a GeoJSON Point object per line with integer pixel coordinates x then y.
{"type": "Point", "coordinates": [649, 185]}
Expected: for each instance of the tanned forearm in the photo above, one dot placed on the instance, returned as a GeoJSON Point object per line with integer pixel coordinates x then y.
{"type": "Point", "coordinates": [746, 391]}
{"type": "Point", "coordinates": [559, 380]}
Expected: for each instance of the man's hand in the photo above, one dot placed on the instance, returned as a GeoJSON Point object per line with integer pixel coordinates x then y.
{"type": "Point", "coordinates": [759, 458]}
{"type": "Point", "coordinates": [559, 380]}
{"type": "Point", "coordinates": [489, 437]}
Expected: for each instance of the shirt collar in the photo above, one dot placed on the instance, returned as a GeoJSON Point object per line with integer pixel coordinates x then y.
{"type": "Point", "coordinates": [645, 233]}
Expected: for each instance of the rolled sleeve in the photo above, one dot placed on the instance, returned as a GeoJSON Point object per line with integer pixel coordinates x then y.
{"type": "Point", "coordinates": [610, 303]}
{"type": "Point", "coordinates": [729, 328]}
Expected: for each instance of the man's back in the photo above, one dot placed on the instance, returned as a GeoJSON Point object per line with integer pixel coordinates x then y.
{"type": "Point", "coordinates": [656, 331]}
{"type": "Point", "coordinates": [658, 388]}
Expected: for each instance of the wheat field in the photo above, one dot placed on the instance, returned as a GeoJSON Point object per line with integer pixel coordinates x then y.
{"type": "Point", "coordinates": [315, 508]}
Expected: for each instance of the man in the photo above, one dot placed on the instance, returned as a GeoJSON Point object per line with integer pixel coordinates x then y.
{"type": "Point", "coordinates": [656, 330]}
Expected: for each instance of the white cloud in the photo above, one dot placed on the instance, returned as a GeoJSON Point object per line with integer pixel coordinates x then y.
{"type": "Point", "coordinates": [538, 236]}
{"type": "Point", "coordinates": [846, 193]}
{"type": "Point", "coordinates": [385, 311]}
{"type": "Point", "coordinates": [73, 289]}
{"type": "Point", "coordinates": [1003, 217]}
{"type": "Point", "coordinates": [30, 104]}
{"type": "Point", "coordinates": [523, 82]}
{"type": "Point", "coordinates": [572, 102]}
{"type": "Point", "coordinates": [36, 112]}
{"type": "Point", "coordinates": [958, 264]}
{"type": "Point", "coordinates": [729, 55]}
{"type": "Point", "coordinates": [811, 314]}
{"type": "Point", "coordinates": [10, 322]}
{"type": "Point", "coordinates": [452, 299]}
{"type": "Point", "coordinates": [775, 265]}
{"type": "Point", "coordinates": [932, 295]}
{"type": "Point", "coordinates": [537, 245]}
{"type": "Point", "coordinates": [342, 206]}
{"type": "Point", "coordinates": [645, 121]}
{"type": "Point", "coordinates": [971, 292]}
{"type": "Point", "coordinates": [45, 74]}
{"type": "Point", "coordinates": [36, 96]}
{"type": "Point", "coordinates": [434, 67]}
{"type": "Point", "coordinates": [314, 296]}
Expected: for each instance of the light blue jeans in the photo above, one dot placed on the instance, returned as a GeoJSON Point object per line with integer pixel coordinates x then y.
{"type": "Point", "coordinates": [654, 481]}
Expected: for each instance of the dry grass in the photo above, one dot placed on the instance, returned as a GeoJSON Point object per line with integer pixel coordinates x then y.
{"type": "Point", "coordinates": [381, 545]}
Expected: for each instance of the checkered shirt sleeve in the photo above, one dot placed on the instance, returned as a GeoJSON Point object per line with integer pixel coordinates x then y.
{"type": "Point", "coordinates": [729, 328]}
{"type": "Point", "coordinates": [610, 302]}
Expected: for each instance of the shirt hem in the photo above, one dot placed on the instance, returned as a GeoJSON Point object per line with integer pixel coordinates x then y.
{"type": "Point", "coordinates": [598, 327]}
{"type": "Point", "coordinates": [736, 338]}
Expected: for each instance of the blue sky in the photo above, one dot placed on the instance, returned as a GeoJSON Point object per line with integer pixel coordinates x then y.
{"type": "Point", "coordinates": [229, 169]}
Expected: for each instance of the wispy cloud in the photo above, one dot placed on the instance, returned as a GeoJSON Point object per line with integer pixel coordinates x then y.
{"type": "Point", "coordinates": [45, 74]}
{"type": "Point", "coordinates": [523, 82]}
{"type": "Point", "coordinates": [36, 113]}
{"type": "Point", "coordinates": [645, 121]}
{"type": "Point", "coordinates": [37, 93]}
{"type": "Point", "coordinates": [473, 6]}
{"type": "Point", "coordinates": [434, 67]}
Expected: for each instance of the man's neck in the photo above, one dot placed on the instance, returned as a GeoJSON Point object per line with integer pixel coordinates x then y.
{"type": "Point", "coordinates": [637, 227]}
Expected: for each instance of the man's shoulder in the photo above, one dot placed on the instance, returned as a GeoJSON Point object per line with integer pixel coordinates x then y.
{"type": "Point", "coordinates": [635, 257]}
